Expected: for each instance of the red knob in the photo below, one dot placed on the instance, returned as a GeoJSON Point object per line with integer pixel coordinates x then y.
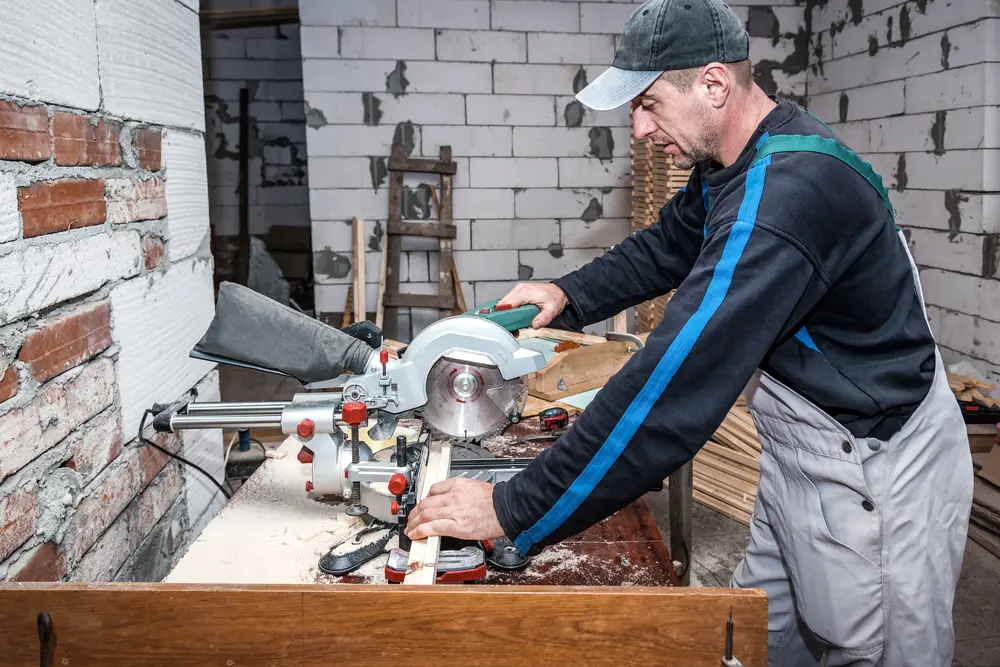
{"type": "Point", "coordinates": [309, 486]}
{"type": "Point", "coordinates": [383, 357]}
{"type": "Point", "coordinates": [394, 508]}
{"type": "Point", "coordinates": [305, 428]}
{"type": "Point", "coordinates": [354, 413]}
{"type": "Point", "coordinates": [504, 306]}
{"type": "Point", "coordinates": [305, 455]}
{"type": "Point", "coordinates": [397, 484]}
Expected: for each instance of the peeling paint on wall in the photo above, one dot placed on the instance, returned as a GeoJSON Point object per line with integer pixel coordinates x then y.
{"type": "Point", "coordinates": [556, 250]}
{"type": "Point", "coordinates": [405, 135]}
{"type": "Point", "coordinates": [315, 118]}
{"type": "Point", "coordinates": [580, 80]}
{"type": "Point", "coordinates": [417, 202]}
{"type": "Point", "coordinates": [329, 262]}
{"type": "Point", "coordinates": [900, 173]}
{"type": "Point", "coordinates": [953, 200]}
{"type": "Point", "coordinates": [396, 82]}
{"type": "Point", "coordinates": [762, 22]}
{"type": "Point", "coordinates": [937, 132]}
{"type": "Point", "coordinates": [524, 272]}
{"type": "Point", "coordinates": [845, 102]}
{"type": "Point", "coordinates": [378, 171]}
{"type": "Point", "coordinates": [593, 211]}
{"type": "Point", "coordinates": [795, 63]}
{"type": "Point", "coordinates": [945, 50]}
{"type": "Point", "coordinates": [991, 255]}
{"type": "Point", "coordinates": [856, 9]}
{"type": "Point", "coordinates": [602, 143]}
{"type": "Point", "coordinates": [372, 108]}
{"type": "Point", "coordinates": [375, 240]}
{"type": "Point", "coordinates": [574, 114]}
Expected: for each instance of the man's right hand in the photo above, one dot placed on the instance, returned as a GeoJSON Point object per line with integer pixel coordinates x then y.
{"type": "Point", "coordinates": [549, 298]}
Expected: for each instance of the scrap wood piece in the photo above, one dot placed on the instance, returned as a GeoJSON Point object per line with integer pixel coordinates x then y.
{"type": "Point", "coordinates": [380, 306]}
{"type": "Point", "coordinates": [558, 334]}
{"type": "Point", "coordinates": [421, 567]}
{"type": "Point", "coordinates": [360, 309]}
{"type": "Point", "coordinates": [574, 371]}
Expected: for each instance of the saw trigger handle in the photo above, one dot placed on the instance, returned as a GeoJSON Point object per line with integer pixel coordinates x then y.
{"type": "Point", "coordinates": [507, 316]}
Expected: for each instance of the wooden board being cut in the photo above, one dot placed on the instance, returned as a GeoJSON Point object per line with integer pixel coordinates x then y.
{"type": "Point", "coordinates": [421, 568]}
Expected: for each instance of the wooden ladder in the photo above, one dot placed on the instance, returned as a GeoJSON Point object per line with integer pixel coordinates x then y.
{"type": "Point", "coordinates": [445, 300]}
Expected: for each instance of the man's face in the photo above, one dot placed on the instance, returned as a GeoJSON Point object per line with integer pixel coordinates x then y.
{"type": "Point", "coordinates": [678, 121]}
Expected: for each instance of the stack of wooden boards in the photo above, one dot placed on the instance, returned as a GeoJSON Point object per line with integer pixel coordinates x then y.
{"type": "Point", "coordinates": [727, 469]}
{"type": "Point", "coordinates": [984, 524]}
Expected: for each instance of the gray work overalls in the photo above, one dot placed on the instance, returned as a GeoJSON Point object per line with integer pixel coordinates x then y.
{"type": "Point", "coordinates": [858, 542]}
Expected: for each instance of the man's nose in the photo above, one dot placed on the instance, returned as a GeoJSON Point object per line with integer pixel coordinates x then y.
{"type": "Point", "coordinates": [642, 125]}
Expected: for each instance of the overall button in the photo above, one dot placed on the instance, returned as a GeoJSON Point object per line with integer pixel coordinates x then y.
{"type": "Point", "coordinates": [846, 446]}
{"type": "Point", "coordinates": [874, 445]}
{"type": "Point", "coordinates": [867, 504]}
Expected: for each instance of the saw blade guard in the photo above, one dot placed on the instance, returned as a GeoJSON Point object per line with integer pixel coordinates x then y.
{"type": "Point", "coordinates": [461, 340]}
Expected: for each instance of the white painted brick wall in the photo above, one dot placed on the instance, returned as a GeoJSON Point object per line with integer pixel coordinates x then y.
{"type": "Point", "coordinates": [498, 88]}
{"type": "Point", "coordinates": [970, 295]}
{"type": "Point", "coordinates": [156, 323]}
{"type": "Point", "coordinates": [10, 218]}
{"type": "Point", "coordinates": [34, 65]}
{"type": "Point", "coordinates": [187, 192]}
{"type": "Point", "coordinates": [39, 275]}
{"type": "Point", "coordinates": [150, 61]}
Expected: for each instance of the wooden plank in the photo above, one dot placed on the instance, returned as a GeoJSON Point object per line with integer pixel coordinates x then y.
{"type": "Point", "coordinates": [345, 320]}
{"type": "Point", "coordinates": [732, 456]}
{"type": "Point", "coordinates": [360, 307]}
{"type": "Point", "coordinates": [231, 19]}
{"type": "Point", "coordinates": [991, 466]}
{"type": "Point", "coordinates": [393, 246]}
{"type": "Point", "coordinates": [619, 323]}
{"type": "Point", "coordinates": [419, 301]}
{"type": "Point", "coordinates": [421, 567]}
{"type": "Point", "coordinates": [422, 229]}
{"type": "Point", "coordinates": [985, 538]}
{"type": "Point", "coordinates": [580, 369]}
{"type": "Point", "coordinates": [446, 262]}
{"type": "Point", "coordinates": [380, 306]}
{"type": "Point", "coordinates": [558, 334]}
{"type": "Point", "coordinates": [460, 306]}
{"type": "Point", "coordinates": [151, 625]}
{"type": "Point", "coordinates": [401, 162]}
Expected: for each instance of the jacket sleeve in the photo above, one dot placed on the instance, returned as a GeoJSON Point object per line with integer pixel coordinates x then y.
{"type": "Point", "coordinates": [645, 265]}
{"type": "Point", "coordinates": [669, 398]}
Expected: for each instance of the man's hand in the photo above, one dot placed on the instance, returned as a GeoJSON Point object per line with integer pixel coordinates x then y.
{"type": "Point", "coordinates": [458, 507]}
{"type": "Point", "coordinates": [549, 298]}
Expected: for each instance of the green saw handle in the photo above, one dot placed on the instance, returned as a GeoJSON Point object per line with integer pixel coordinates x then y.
{"type": "Point", "coordinates": [510, 319]}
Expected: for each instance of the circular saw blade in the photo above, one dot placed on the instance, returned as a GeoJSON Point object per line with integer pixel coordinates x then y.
{"type": "Point", "coordinates": [467, 401]}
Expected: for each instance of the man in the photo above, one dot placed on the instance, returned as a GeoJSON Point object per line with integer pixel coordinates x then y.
{"type": "Point", "coordinates": [795, 287]}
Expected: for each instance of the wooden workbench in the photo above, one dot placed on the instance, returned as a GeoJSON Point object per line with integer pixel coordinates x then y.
{"type": "Point", "coordinates": [272, 532]}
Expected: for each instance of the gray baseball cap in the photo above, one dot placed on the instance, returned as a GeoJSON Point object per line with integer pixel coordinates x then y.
{"type": "Point", "coordinates": [664, 35]}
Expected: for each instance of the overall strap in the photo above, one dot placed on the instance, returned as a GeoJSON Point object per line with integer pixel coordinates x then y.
{"type": "Point", "coordinates": [790, 143]}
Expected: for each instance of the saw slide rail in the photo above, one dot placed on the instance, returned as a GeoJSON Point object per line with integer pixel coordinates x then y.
{"type": "Point", "coordinates": [182, 625]}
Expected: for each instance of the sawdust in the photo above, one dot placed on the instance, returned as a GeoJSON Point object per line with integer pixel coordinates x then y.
{"type": "Point", "coordinates": [551, 562]}
{"type": "Point", "coordinates": [270, 532]}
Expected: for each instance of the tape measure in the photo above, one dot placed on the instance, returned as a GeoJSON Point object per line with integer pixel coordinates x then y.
{"type": "Point", "coordinates": [553, 418]}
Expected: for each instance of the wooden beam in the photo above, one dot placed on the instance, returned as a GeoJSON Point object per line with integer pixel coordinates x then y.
{"type": "Point", "coordinates": [460, 306]}
{"type": "Point", "coordinates": [421, 568]}
{"type": "Point", "coordinates": [445, 260]}
{"type": "Point", "coordinates": [151, 625]}
{"type": "Point", "coordinates": [422, 229]}
{"type": "Point", "coordinates": [380, 307]}
{"type": "Point", "coordinates": [360, 307]}
{"type": "Point", "coordinates": [401, 162]}
{"type": "Point", "coordinates": [261, 17]}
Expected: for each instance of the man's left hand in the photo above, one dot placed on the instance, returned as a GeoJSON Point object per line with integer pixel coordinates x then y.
{"type": "Point", "coordinates": [458, 507]}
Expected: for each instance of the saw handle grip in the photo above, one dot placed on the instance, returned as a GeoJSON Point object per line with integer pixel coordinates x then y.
{"type": "Point", "coordinates": [506, 316]}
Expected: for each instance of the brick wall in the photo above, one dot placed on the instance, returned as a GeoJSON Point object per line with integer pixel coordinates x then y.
{"type": "Point", "coordinates": [543, 185]}
{"type": "Point", "coordinates": [268, 62]}
{"type": "Point", "coordinates": [912, 86]}
{"type": "Point", "coordinates": [105, 284]}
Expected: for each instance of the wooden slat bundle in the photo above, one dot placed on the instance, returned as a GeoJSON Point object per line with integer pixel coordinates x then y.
{"type": "Point", "coordinates": [655, 181]}
{"type": "Point", "coordinates": [971, 390]}
{"type": "Point", "coordinates": [727, 468]}
{"type": "Point", "coordinates": [984, 524]}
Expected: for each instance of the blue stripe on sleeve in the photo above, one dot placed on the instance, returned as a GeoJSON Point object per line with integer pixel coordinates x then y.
{"type": "Point", "coordinates": [664, 372]}
{"type": "Point", "coordinates": [806, 339]}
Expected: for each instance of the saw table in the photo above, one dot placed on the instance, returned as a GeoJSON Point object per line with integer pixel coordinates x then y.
{"type": "Point", "coordinates": [270, 532]}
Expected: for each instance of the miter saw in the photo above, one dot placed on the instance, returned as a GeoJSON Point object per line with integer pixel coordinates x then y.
{"type": "Point", "coordinates": [462, 377]}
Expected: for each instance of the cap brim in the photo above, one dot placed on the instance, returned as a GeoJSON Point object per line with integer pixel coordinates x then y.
{"type": "Point", "coordinates": [615, 87]}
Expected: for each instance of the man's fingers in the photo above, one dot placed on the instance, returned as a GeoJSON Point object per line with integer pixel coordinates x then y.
{"type": "Point", "coordinates": [442, 527]}
{"type": "Point", "coordinates": [441, 488]}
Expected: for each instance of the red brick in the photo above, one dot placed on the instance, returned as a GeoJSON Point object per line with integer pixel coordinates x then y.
{"type": "Point", "coordinates": [108, 497]}
{"type": "Point", "coordinates": [82, 142]}
{"type": "Point", "coordinates": [9, 384]}
{"type": "Point", "coordinates": [152, 251]}
{"type": "Point", "coordinates": [98, 443]}
{"type": "Point", "coordinates": [24, 132]}
{"type": "Point", "coordinates": [133, 201]}
{"type": "Point", "coordinates": [18, 518]}
{"type": "Point", "coordinates": [56, 206]}
{"type": "Point", "coordinates": [67, 341]}
{"type": "Point", "coordinates": [152, 460]}
{"type": "Point", "coordinates": [46, 564]}
{"type": "Point", "coordinates": [149, 147]}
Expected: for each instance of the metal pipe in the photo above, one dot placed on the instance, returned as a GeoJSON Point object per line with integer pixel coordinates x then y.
{"type": "Point", "coordinates": [241, 408]}
{"type": "Point", "coordinates": [234, 420]}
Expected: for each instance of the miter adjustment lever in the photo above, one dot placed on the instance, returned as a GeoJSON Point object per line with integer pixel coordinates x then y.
{"type": "Point", "coordinates": [383, 380]}
{"type": "Point", "coordinates": [354, 415]}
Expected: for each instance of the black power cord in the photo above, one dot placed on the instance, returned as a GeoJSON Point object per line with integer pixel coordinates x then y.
{"type": "Point", "coordinates": [144, 440]}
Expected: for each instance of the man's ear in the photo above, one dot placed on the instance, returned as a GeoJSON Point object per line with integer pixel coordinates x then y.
{"type": "Point", "coordinates": [718, 83]}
